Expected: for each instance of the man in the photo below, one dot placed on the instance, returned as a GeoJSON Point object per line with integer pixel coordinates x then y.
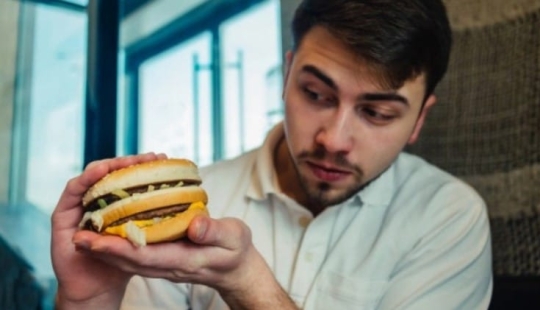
{"type": "Point", "coordinates": [328, 213]}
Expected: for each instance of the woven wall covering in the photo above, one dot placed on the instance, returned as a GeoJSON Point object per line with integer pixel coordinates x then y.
{"type": "Point", "coordinates": [465, 14]}
{"type": "Point", "coordinates": [486, 125]}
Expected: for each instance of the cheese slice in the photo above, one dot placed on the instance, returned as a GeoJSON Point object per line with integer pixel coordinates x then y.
{"type": "Point", "coordinates": [120, 230]}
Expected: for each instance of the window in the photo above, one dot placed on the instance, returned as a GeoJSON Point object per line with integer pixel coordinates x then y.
{"type": "Point", "coordinates": [175, 98]}
{"type": "Point", "coordinates": [252, 71]}
{"type": "Point", "coordinates": [52, 139]}
{"type": "Point", "coordinates": [208, 85]}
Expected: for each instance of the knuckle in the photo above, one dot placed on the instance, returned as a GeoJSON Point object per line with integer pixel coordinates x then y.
{"type": "Point", "coordinates": [236, 232]}
{"type": "Point", "coordinates": [72, 184]}
{"type": "Point", "coordinates": [244, 231]}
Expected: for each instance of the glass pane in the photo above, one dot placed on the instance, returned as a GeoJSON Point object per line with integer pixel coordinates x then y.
{"type": "Point", "coordinates": [252, 76]}
{"type": "Point", "coordinates": [175, 102]}
{"type": "Point", "coordinates": [57, 95]}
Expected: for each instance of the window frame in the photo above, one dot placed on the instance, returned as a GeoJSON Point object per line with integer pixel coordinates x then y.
{"type": "Point", "coordinates": [61, 4]}
{"type": "Point", "coordinates": [208, 16]}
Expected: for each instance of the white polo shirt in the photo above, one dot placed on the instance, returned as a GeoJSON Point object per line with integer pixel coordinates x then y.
{"type": "Point", "coordinates": [415, 238]}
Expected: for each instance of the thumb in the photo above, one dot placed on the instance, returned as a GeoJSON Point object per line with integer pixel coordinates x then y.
{"type": "Point", "coordinates": [197, 229]}
{"type": "Point", "coordinates": [229, 233]}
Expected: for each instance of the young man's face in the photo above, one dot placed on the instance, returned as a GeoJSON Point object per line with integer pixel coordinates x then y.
{"type": "Point", "coordinates": [343, 129]}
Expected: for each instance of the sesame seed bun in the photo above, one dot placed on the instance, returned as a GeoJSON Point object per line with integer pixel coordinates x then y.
{"type": "Point", "coordinates": [158, 171]}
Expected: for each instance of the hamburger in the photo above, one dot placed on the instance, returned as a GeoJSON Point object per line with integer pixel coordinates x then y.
{"type": "Point", "coordinates": [145, 203]}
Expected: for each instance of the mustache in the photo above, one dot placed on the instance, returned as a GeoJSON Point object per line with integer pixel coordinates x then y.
{"type": "Point", "coordinates": [338, 159]}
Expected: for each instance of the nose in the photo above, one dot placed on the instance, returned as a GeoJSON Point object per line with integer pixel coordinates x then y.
{"type": "Point", "coordinates": [336, 135]}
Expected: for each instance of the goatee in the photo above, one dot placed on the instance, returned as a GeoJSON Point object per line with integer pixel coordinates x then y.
{"type": "Point", "coordinates": [319, 195]}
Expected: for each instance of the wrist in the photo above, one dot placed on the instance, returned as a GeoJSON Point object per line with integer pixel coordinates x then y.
{"type": "Point", "coordinates": [255, 287]}
{"type": "Point", "coordinates": [268, 296]}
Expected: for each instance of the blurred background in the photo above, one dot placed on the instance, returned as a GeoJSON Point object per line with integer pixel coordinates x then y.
{"type": "Point", "coordinates": [87, 79]}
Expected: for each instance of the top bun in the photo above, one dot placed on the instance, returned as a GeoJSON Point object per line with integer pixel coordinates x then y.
{"type": "Point", "coordinates": [152, 172]}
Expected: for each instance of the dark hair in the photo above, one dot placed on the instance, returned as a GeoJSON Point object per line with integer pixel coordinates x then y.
{"type": "Point", "coordinates": [400, 39]}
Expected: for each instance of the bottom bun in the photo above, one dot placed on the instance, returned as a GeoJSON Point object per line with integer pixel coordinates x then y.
{"type": "Point", "coordinates": [168, 229]}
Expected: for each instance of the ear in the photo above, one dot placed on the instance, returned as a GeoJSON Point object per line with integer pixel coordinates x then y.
{"type": "Point", "coordinates": [288, 63]}
{"type": "Point", "coordinates": [430, 101]}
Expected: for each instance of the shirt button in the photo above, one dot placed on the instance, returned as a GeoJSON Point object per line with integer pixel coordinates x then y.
{"type": "Point", "coordinates": [304, 221]}
{"type": "Point", "coordinates": [309, 257]}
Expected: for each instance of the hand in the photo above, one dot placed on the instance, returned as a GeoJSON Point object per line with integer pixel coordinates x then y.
{"type": "Point", "coordinates": [82, 279]}
{"type": "Point", "coordinates": [218, 253]}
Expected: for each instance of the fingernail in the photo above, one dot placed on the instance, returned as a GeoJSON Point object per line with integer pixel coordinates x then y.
{"type": "Point", "coordinates": [82, 244]}
{"type": "Point", "coordinates": [201, 229]}
{"type": "Point", "coordinates": [99, 248]}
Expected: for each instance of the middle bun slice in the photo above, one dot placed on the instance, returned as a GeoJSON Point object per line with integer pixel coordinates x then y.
{"type": "Point", "coordinates": [151, 211]}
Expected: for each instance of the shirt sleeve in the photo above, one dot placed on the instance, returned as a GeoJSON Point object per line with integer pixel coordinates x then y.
{"type": "Point", "coordinates": [144, 293]}
{"type": "Point", "coordinates": [450, 266]}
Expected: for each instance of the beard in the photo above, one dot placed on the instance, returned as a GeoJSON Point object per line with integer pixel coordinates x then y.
{"type": "Point", "coordinates": [324, 194]}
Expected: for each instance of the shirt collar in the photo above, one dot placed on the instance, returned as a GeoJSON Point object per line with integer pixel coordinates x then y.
{"type": "Point", "coordinates": [264, 179]}
{"type": "Point", "coordinates": [381, 190]}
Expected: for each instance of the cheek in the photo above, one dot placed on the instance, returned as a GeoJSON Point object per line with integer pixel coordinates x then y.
{"type": "Point", "coordinates": [392, 139]}
{"type": "Point", "coordinates": [380, 147]}
{"type": "Point", "coordinates": [301, 124]}
{"type": "Point", "coordinates": [381, 144]}
{"type": "Point", "coordinates": [395, 136]}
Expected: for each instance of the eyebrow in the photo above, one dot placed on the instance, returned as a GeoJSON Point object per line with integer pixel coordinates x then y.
{"type": "Point", "coordinates": [389, 96]}
{"type": "Point", "coordinates": [385, 97]}
{"type": "Point", "coordinates": [320, 75]}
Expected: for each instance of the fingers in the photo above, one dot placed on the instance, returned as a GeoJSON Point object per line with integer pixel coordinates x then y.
{"type": "Point", "coordinates": [157, 260]}
{"type": "Point", "coordinates": [222, 238]}
{"type": "Point", "coordinates": [133, 268]}
{"type": "Point", "coordinates": [150, 255]}
{"type": "Point", "coordinates": [217, 248]}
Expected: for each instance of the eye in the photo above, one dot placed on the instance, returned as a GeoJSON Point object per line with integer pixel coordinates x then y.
{"type": "Point", "coordinates": [377, 117]}
{"type": "Point", "coordinates": [317, 98]}
{"type": "Point", "coordinates": [312, 95]}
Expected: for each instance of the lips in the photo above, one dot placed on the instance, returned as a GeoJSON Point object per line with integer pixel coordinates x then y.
{"type": "Point", "coordinates": [327, 173]}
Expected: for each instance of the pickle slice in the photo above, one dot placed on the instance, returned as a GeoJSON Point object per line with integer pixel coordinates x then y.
{"type": "Point", "coordinates": [102, 203]}
{"type": "Point", "coordinates": [120, 193]}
